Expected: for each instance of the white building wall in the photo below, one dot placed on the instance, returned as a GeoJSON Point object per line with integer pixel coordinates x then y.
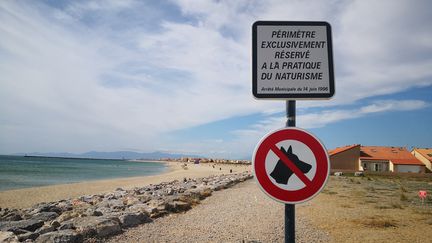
{"type": "Point", "coordinates": [409, 168]}
{"type": "Point", "coordinates": [422, 159]}
{"type": "Point", "coordinates": [375, 165]}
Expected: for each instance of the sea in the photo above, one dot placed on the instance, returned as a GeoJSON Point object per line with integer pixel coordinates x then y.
{"type": "Point", "coordinates": [25, 171]}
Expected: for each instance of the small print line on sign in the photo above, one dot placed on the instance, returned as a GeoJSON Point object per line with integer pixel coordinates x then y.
{"type": "Point", "coordinates": [291, 165]}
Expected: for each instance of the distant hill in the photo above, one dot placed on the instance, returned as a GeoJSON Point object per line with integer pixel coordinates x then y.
{"type": "Point", "coordinates": [113, 155]}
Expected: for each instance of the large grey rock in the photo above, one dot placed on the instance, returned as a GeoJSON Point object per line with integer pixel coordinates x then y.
{"type": "Point", "coordinates": [143, 208]}
{"type": "Point", "coordinates": [132, 219]}
{"type": "Point", "coordinates": [18, 231]}
{"type": "Point", "coordinates": [217, 186]}
{"type": "Point", "coordinates": [62, 236]}
{"type": "Point", "coordinates": [6, 236]}
{"type": "Point", "coordinates": [119, 193]}
{"type": "Point", "coordinates": [45, 229]}
{"type": "Point", "coordinates": [93, 212]}
{"type": "Point", "coordinates": [156, 208]}
{"type": "Point", "coordinates": [67, 215]}
{"type": "Point", "coordinates": [116, 204]}
{"type": "Point", "coordinates": [205, 192]}
{"type": "Point", "coordinates": [102, 210]}
{"type": "Point", "coordinates": [26, 224]}
{"type": "Point", "coordinates": [199, 193]}
{"type": "Point", "coordinates": [130, 200]}
{"type": "Point", "coordinates": [66, 225]}
{"type": "Point", "coordinates": [103, 204]}
{"type": "Point", "coordinates": [107, 228]}
{"type": "Point", "coordinates": [64, 205]}
{"type": "Point", "coordinates": [100, 226]}
{"type": "Point", "coordinates": [104, 215]}
{"type": "Point", "coordinates": [55, 224]}
{"type": "Point", "coordinates": [45, 216]}
{"type": "Point", "coordinates": [27, 236]}
{"type": "Point", "coordinates": [169, 191]}
{"type": "Point", "coordinates": [47, 207]}
{"type": "Point", "coordinates": [13, 215]}
{"type": "Point", "coordinates": [87, 199]}
{"type": "Point", "coordinates": [177, 206]}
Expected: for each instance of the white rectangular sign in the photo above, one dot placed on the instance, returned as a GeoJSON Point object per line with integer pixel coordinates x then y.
{"type": "Point", "coordinates": [292, 60]}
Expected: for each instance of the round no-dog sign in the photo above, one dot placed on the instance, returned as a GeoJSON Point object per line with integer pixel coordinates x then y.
{"type": "Point", "coordinates": [291, 165]}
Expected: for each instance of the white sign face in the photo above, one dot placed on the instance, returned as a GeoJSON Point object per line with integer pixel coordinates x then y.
{"type": "Point", "coordinates": [303, 153]}
{"type": "Point", "coordinates": [292, 60]}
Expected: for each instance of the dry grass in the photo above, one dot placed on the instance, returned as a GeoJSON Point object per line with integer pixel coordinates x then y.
{"type": "Point", "coordinates": [403, 197]}
{"type": "Point", "coordinates": [370, 201]}
{"type": "Point", "coordinates": [379, 209]}
{"type": "Point", "coordinates": [374, 222]}
{"type": "Point", "coordinates": [392, 205]}
{"type": "Point", "coordinates": [383, 206]}
{"type": "Point", "coordinates": [396, 205]}
{"type": "Point", "coordinates": [347, 206]}
{"type": "Point", "coordinates": [423, 210]}
{"type": "Point", "coordinates": [325, 191]}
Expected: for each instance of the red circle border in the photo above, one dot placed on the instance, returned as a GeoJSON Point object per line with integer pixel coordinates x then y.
{"type": "Point", "coordinates": [322, 163]}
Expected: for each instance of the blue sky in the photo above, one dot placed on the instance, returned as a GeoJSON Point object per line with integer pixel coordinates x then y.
{"type": "Point", "coordinates": [175, 75]}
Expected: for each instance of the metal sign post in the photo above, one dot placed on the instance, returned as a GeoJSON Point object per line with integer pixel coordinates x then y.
{"type": "Point", "coordinates": [291, 60]}
{"type": "Point", "coordinates": [290, 208]}
{"type": "Point", "coordinates": [291, 166]}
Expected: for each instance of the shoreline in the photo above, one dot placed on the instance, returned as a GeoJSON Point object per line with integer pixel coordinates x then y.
{"type": "Point", "coordinates": [168, 168]}
{"type": "Point", "coordinates": [22, 198]}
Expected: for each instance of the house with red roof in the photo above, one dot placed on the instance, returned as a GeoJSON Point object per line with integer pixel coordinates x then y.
{"type": "Point", "coordinates": [425, 156]}
{"type": "Point", "coordinates": [345, 158]}
{"type": "Point", "coordinates": [374, 159]}
{"type": "Point", "coordinates": [393, 159]}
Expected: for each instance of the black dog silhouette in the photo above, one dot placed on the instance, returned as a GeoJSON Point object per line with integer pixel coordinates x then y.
{"type": "Point", "coordinates": [281, 173]}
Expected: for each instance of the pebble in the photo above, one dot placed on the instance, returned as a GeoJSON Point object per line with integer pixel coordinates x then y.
{"type": "Point", "coordinates": [101, 216]}
{"type": "Point", "coordinates": [241, 214]}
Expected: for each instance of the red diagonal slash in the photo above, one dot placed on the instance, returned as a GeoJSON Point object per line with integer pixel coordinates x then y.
{"type": "Point", "coordinates": [291, 165]}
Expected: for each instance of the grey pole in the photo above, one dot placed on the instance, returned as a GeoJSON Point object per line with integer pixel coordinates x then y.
{"type": "Point", "coordinates": [290, 208]}
{"type": "Point", "coordinates": [291, 113]}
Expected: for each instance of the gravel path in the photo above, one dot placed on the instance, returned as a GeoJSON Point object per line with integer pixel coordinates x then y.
{"type": "Point", "coordinates": [239, 214]}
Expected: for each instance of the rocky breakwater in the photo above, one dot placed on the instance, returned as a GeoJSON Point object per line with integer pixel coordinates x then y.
{"type": "Point", "coordinates": [103, 215]}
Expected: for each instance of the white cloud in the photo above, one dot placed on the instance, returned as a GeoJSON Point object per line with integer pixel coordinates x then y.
{"type": "Point", "coordinates": [393, 105]}
{"type": "Point", "coordinates": [247, 138]}
{"type": "Point", "coordinates": [321, 119]}
{"type": "Point", "coordinates": [107, 75]}
{"type": "Point", "coordinates": [381, 48]}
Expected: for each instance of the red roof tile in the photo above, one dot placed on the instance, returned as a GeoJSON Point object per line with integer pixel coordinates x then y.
{"type": "Point", "coordinates": [406, 162]}
{"type": "Point", "coordinates": [342, 149]}
{"type": "Point", "coordinates": [398, 155]}
{"type": "Point", "coordinates": [426, 152]}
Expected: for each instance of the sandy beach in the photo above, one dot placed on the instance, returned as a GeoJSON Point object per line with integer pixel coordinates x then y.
{"type": "Point", "coordinates": [22, 198]}
{"type": "Point", "coordinates": [354, 209]}
{"type": "Point", "coordinates": [242, 213]}
{"type": "Point", "coordinates": [347, 210]}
